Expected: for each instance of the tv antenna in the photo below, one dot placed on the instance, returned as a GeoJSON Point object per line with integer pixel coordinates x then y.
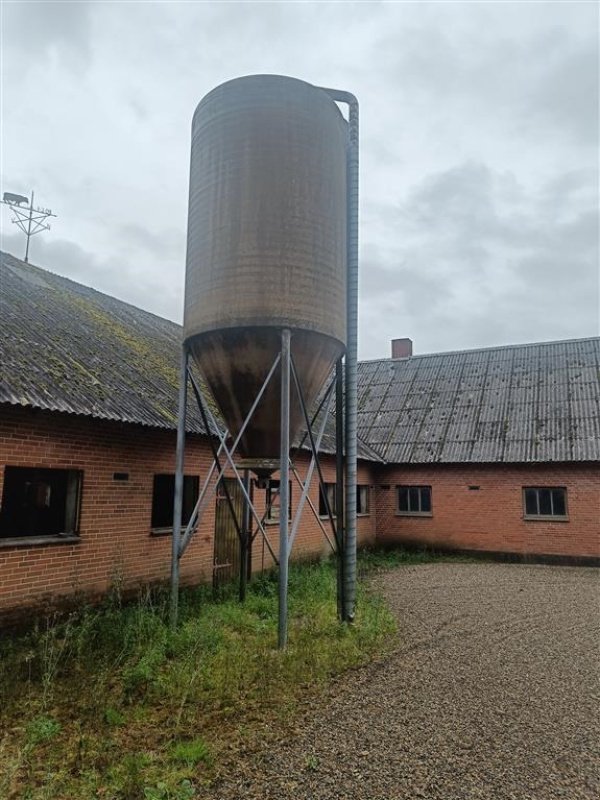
{"type": "Point", "coordinates": [29, 219]}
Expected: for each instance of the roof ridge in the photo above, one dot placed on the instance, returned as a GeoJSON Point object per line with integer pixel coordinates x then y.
{"type": "Point", "coordinates": [488, 348]}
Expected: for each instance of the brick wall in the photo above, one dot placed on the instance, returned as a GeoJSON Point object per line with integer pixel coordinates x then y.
{"type": "Point", "coordinates": [115, 544]}
{"type": "Point", "coordinates": [491, 517]}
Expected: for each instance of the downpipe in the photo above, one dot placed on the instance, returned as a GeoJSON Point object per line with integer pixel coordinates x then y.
{"type": "Point", "coordinates": [351, 368]}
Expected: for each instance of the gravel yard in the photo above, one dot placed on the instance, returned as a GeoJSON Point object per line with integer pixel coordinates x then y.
{"type": "Point", "coordinates": [491, 691]}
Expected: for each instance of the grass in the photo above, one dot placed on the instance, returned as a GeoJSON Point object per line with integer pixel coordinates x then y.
{"type": "Point", "coordinates": [110, 703]}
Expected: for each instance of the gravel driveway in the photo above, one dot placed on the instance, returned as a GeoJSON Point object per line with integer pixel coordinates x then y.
{"type": "Point", "coordinates": [491, 692]}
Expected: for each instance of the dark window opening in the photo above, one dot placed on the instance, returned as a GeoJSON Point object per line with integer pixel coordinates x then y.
{"type": "Point", "coordinates": [414, 500]}
{"type": "Point", "coordinates": [163, 498]}
{"type": "Point", "coordinates": [273, 501]}
{"type": "Point", "coordinates": [120, 476]}
{"type": "Point", "coordinates": [545, 501]}
{"type": "Point", "coordinates": [40, 502]}
{"type": "Point", "coordinates": [330, 488]}
{"type": "Point", "coordinates": [362, 500]}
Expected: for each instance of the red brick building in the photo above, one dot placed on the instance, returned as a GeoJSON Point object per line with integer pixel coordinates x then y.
{"type": "Point", "coordinates": [489, 450]}
{"type": "Point", "coordinates": [494, 450]}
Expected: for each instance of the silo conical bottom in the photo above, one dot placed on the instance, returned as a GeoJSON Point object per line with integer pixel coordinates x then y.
{"type": "Point", "coordinates": [234, 363]}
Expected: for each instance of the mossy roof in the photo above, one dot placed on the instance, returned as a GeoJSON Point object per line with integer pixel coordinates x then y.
{"type": "Point", "coordinates": [69, 348]}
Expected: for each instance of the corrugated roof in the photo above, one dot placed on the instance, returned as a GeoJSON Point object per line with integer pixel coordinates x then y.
{"type": "Point", "coordinates": [518, 403]}
{"type": "Point", "coordinates": [69, 348]}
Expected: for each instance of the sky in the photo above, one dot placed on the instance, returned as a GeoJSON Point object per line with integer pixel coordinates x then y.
{"type": "Point", "coordinates": [479, 150]}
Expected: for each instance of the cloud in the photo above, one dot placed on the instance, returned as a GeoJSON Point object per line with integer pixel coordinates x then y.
{"type": "Point", "coordinates": [474, 256]}
{"type": "Point", "coordinates": [566, 97]}
{"type": "Point", "coordinates": [49, 30]}
{"type": "Point", "coordinates": [478, 149]}
{"type": "Point", "coordinates": [132, 279]}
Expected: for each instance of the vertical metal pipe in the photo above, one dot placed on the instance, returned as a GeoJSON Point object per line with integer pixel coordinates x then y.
{"type": "Point", "coordinates": [178, 501]}
{"type": "Point", "coordinates": [339, 482]}
{"type": "Point", "coordinates": [245, 539]}
{"type": "Point", "coordinates": [351, 348]}
{"type": "Point", "coordinates": [284, 451]}
{"type": "Point", "coordinates": [351, 364]}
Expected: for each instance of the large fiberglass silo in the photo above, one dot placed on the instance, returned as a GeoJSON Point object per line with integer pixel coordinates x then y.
{"type": "Point", "coordinates": [266, 248]}
{"type": "Point", "coordinates": [270, 307]}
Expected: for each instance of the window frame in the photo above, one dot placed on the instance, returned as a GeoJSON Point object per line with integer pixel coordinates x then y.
{"type": "Point", "coordinates": [269, 520]}
{"type": "Point", "coordinates": [410, 513]}
{"type": "Point", "coordinates": [331, 489]}
{"type": "Point", "coordinates": [73, 497]}
{"type": "Point", "coordinates": [545, 517]}
{"type": "Point", "coordinates": [167, 530]}
{"type": "Point", "coordinates": [367, 490]}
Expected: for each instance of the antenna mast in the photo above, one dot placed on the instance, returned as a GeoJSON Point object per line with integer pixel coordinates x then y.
{"type": "Point", "coordinates": [29, 219]}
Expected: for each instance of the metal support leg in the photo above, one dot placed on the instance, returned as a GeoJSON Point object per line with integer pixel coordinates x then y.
{"type": "Point", "coordinates": [208, 489]}
{"type": "Point", "coordinates": [178, 502]}
{"type": "Point", "coordinates": [284, 472]}
{"type": "Point", "coordinates": [245, 540]}
{"type": "Point", "coordinates": [215, 454]}
{"type": "Point", "coordinates": [305, 486]}
{"type": "Point", "coordinates": [315, 451]}
{"type": "Point", "coordinates": [311, 505]}
{"type": "Point", "coordinates": [339, 483]}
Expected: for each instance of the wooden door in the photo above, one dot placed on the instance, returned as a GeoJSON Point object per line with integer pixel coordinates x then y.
{"type": "Point", "coordinates": [226, 562]}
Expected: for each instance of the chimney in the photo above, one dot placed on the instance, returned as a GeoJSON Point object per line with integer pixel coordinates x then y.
{"type": "Point", "coordinates": [402, 348]}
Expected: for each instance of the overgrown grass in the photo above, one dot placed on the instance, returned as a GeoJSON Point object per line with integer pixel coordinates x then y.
{"type": "Point", "coordinates": [111, 703]}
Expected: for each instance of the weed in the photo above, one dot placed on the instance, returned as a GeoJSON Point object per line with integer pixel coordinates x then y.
{"type": "Point", "coordinates": [218, 671]}
{"type": "Point", "coordinates": [380, 558]}
{"type": "Point", "coordinates": [55, 644]}
{"type": "Point", "coordinates": [312, 763]}
{"type": "Point", "coordinates": [191, 753]}
{"type": "Point", "coordinates": [130, 775]}
{"type": "Point", "coordinates": [113, 717]}
{"type": "Point", "coordinates": [42, 729]}
{"type": "Point", "coordinates": [162, 791]}
{"type": "Point", "coordinates": [140, 676]}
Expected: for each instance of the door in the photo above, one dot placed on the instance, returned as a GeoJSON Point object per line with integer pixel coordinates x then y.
{"type": "Point", "coordinates": [226, 562]}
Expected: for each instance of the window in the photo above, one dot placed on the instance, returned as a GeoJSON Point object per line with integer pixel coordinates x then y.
{"type": "Point", "coordinates": [414, 500]}
{"type": "Point", "coordinates": [362, 500]}
{"type": "Point", "coordinates": [545, 501]}
{"type": "Point", "coordinates": [330, 488]}
{"type": "Point", "coordinates": [273, 501]}
{"type": "Point", "coordinates": [40, 502]}
{"type": "Point", "coordinates": [163, 497]}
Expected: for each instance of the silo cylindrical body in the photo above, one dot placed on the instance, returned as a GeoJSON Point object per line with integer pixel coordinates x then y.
{"type": "Point", "coordinates": [266, 247]}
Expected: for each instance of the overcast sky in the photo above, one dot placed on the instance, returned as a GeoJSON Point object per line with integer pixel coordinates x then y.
{"type": "Point", "coordinates": [479, 150]}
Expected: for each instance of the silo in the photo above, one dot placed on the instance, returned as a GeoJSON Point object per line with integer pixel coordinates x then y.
{"type": "Point", "coordinates": [266, 248]}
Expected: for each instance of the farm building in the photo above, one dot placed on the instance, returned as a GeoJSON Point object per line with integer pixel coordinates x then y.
{"type": "Point", "coordinates": [493, 450]}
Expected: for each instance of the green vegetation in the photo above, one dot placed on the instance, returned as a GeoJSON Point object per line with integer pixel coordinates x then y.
{"type": "Point", "coordinates": [40, 729]}
{"type": "Point", "coordinates": [110, 703]}
{"type": "Point", "coordinates": [378, 559]}
{"type": "Point", "coordinates": [191, 753]}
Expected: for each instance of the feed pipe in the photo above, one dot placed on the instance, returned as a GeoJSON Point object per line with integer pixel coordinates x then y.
{"type": "Point", "coordinates": [349, 559]}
